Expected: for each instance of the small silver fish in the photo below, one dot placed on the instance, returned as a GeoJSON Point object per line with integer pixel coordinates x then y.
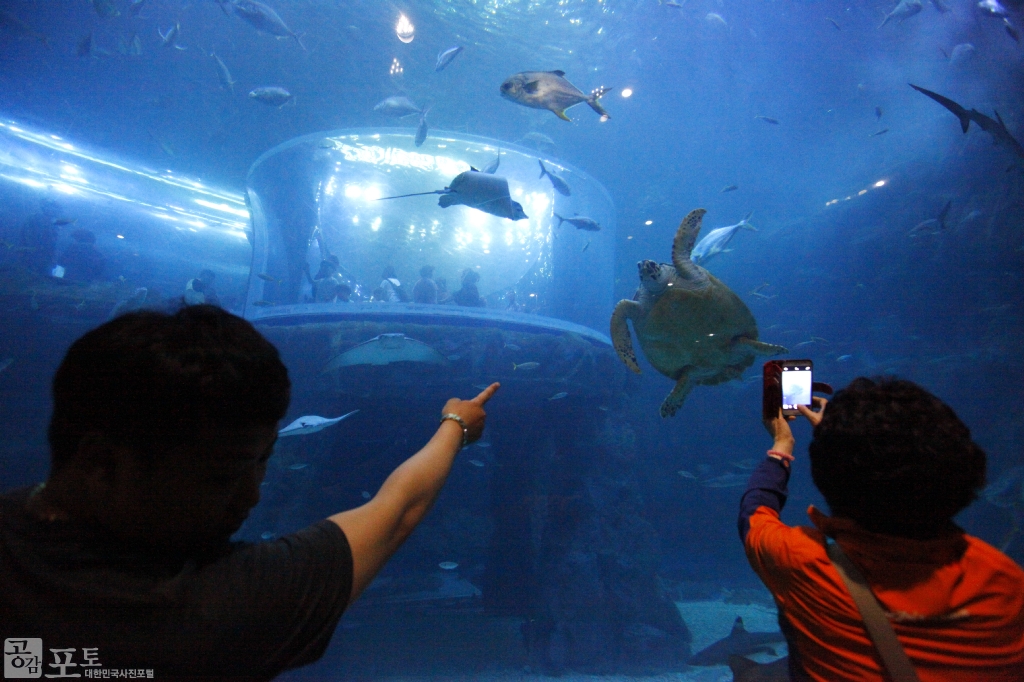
{"type": "Point", "coordinates": [483, 444]}
{"type": "Point", "coordinates": [170, 39]}
{"type": "Point", "coordinates": [448, 565]}
{"type": "Point", "coordinates": [883, 131]}
{"type": "Point", "coordinates": [421, 129]}
{"type": "Point", "coordinates": [767, 119]}
{"type": "Point", "coordinates": [298, 467]}
{"type": "Point", "coordinates": [580, 222]}
{"type": "Point", "coordinates": [687, 474]}
{"type": "Point", "coordinates": [267, 278]}
{"type": "Point", "coordinates": [585, 247]}
{"type": "Point", "coordinates": [493, 166]}
{"type": "Point", "coordinates": [556, 182]}
{"type": "Point", "coordinates": [844, 358]}
{"type": "Point", "coordinates": [266, 536]}
{"type": "Point", "coordinates": [445, 58]}
{"type": "Point", "coordinates": [271, 95]}
{"type": "Point", "coordinates": [558, 396]}
{"type": "Point", "coordinates": [223, 74]}
{"type": "Point", "coordinates": [397, 106]}
{"type": "Point", "coordinates": [476, 462]}
{"type": "Point", "coordinates": [512, 347]}
{"type": "Point", "coordinates": [730, 188]}
{"type": "Point", "coordinates": [525, 366]}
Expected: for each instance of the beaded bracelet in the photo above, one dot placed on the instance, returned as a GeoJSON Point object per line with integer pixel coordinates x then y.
{"type": "Point", "coordinates": [783, 457]}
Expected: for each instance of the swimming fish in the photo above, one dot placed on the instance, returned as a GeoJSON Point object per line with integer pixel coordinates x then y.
{"type": "Point", "coordinates": [992, 8]}
{"type": "Point", "coordinates": [421, 129]}
{"type": "Point", "coordinates": [298, 466]}
{"type": "Point", "coordinates": [878, 113]}
{"type": "Point", "coordinates": [714, 18]}
{"type": "Point", "coordinates": [397, 106]}
{"type": "Point", "coordinates": [267, 278]}
{"type": "Point", "coordinates": [134, 302]}
{"type": "Point", "coordinates": [226, 81]}
{"type": "Point", "coordinates": [264, 19]}
{"type": "Point", "coordinates": [525, 366]}
{"type": "Point", "coordinates": [272, 95]}
{"type": "Point", "coordinates": [961, 54]}
{"type": "Point", "coordinates": [687, 474]}
{"type": "Point", "coordinates": [445, 58]}
{"type": "Point", "coordinates": [556, 182]}
{"type": "Point", "coordinates": [263, 304]}
{"type": "Point", "coordinates": [550, 90]}
{"type": "Point", "coordinates": [537, 140]}
{"type": "Point", "coordinates": [716, 240]}
{"type": "Point", "coordinates": [730, 480]}
{"type": "Point", "coordinates": [994, 127]}
{"type": "Point", "coordinates": [448, 565]}
{"type": "Point", "coordinates": [932, 225]}
{"type": "Point", "coordinates": [580, 222]}
{"type": "Point", "coordinates": [170, 39]}
{"type": "Point", "coordinates": [883, 131]}
{"type": "Point", "coordinates": [730, 188]}
{"type": "Point", "coordinates": [310, 424]}
{"type": "Point", "coordinates": [385, 349]}
{"type": "Point", "coordinates": [558, 396]}
{"type": "Point", "coordinates": [512, 347]}
{"type": "Point", "coordinates": [482, 191]}
{"type": "Point", "coordinates": [476, 462]}
{"type": "Point", "coordinates": [136, 7]}
{"type": "Point", "coordinates": [766, 119]}
{"type": "Point", "coordinates": [903, 11]}
{"type": "Point", "coordinates": [834, 23]}
{"type": "Point", "coordinates": [748, 670]}
{"type": "Point", "coordinates": [844, 358]}
{"type": "Point", "coordinates": [738, 643]}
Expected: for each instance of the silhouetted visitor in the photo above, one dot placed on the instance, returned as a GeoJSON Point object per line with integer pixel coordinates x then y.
{"type": "Point", "coordinates": [510, 302]}
{"type": "Point", "coordinates": [443, 296]}
{"type": "Point", "coordinates": [469, 295]}
{"type": "Point", "coordinates": [391, 287]}
{"type": "Point", "coordinates": [425, 290]}
{"type": "Point", "coordinates": [895, 465]}
{"type": "Point", "coordinates": [343, 294]}
{"type": "Point", "coordinates": [200, 289]}
{"type": "Point", "coordinates": [160, 436]}
{"type": "Point", "coordinates": [82, 261]}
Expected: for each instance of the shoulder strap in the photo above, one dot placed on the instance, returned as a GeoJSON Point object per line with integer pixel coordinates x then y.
{"type": "Point", "coordinates": [894, 658]}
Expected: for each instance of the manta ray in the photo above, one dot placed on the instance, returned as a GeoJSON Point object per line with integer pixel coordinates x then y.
{"type": "Point", "coordinates": [385, 349]}
{"type": "Point", "coordinates": [483, 191]}
{"type": "Point", "coordinates": [738, 643]}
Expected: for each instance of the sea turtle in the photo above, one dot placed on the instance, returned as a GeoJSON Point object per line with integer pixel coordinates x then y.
{"type": "Point", "coordinates": [691, 327]}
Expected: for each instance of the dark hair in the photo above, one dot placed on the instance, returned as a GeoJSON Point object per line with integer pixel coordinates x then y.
{"type": "Point", "coordinates": [427, 271]}
{"type": "Point", "coordinates": [896, 459]}
{"type": "Point", "coordinates": [149, 380]}
{"type": "Point", "coordinates": [389, 272]}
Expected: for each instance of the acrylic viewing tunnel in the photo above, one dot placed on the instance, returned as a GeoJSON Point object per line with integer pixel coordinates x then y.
{"type": "Point", "coordinates": [319, 196]}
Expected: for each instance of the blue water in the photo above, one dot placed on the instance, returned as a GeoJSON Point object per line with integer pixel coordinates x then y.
{"type": "Point", "coordinates": [839, 278]}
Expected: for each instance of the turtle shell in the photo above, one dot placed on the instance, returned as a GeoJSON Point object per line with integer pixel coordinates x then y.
{"type": "Point", "coordinates": [695, 331]}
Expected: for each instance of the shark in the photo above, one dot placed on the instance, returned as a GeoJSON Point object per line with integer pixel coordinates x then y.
{"type": "Point", "coordinates": [993, 126]}
{"type": "Point", "coordinates": [311, 424]}
{"type": "Point", "coordinates": [738, 643]}
{"type": "Point", "coordinates": [716, 240]}
{"type": "Point", "coordinates": [746, 670]}
{"type": "Point", "coordinates": [483, 191]}
{"type": "Point", "coordinates": [385, 349]}
{"type": "Point", "coordinates": [932, 225]}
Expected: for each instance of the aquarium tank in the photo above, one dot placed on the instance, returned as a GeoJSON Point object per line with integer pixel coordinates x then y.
{"type": "Point", "coordinates": [412, 200]}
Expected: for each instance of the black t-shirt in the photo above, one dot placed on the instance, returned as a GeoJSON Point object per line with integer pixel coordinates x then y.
{"type": "Point", "coordinates": [244, 612]}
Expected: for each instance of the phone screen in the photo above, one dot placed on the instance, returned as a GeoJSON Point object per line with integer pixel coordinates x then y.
{"type": "Point", "coordinates": [796, 386]}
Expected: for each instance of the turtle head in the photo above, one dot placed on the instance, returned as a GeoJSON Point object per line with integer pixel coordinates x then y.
{"type": "Point", "coordinates": [654, 277]}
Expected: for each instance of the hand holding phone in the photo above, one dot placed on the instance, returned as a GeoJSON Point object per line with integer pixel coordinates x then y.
{"type": "Point", "coordinates": [796, 383]}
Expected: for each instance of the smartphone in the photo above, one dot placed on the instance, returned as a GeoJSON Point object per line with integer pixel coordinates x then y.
{"type": "Point", "coordinates": [796, 382]}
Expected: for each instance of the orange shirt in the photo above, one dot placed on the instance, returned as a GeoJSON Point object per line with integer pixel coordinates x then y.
{"type": "Point", "coordinates": [956, 603]}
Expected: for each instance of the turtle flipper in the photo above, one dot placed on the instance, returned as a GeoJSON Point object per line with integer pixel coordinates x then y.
{"type": "Point", "coordinates": [762, 348]}
{"type": "Point", "coordinates": [675, 399]}
{"type": "Point", "coordinates": [625, 310]}
{"type": "Point", "coordinates": [682, 245]}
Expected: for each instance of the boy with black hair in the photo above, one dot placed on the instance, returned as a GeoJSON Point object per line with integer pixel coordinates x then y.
{"type": "Point", "coordinates": [895, 465]}
{"type": "Point", "coordinates": [161, 431]}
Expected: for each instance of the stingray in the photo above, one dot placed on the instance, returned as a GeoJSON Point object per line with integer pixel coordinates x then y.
{"type": "Point", "coordinates": [310, 424]}
{"type": "Point", "coordinates": [738, 643]}
{"type": "Point", "coordinates": [385, 349]}
{"type": "Point", "coordinates": [482, 191]}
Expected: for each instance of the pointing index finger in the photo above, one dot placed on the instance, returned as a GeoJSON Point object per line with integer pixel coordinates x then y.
{"type": "Point", "coordinates": [486, 394]}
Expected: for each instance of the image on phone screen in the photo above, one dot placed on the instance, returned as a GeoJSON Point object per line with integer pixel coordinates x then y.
{"type": "Point", "coordinates": [796, 386]}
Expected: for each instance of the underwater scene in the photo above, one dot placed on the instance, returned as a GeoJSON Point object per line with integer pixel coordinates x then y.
{"type": "Point", "coordinates": [414, 199]}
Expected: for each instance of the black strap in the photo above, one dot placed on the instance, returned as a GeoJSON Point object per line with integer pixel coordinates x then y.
{"type": "Point", "coordinates": [894, 658]}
